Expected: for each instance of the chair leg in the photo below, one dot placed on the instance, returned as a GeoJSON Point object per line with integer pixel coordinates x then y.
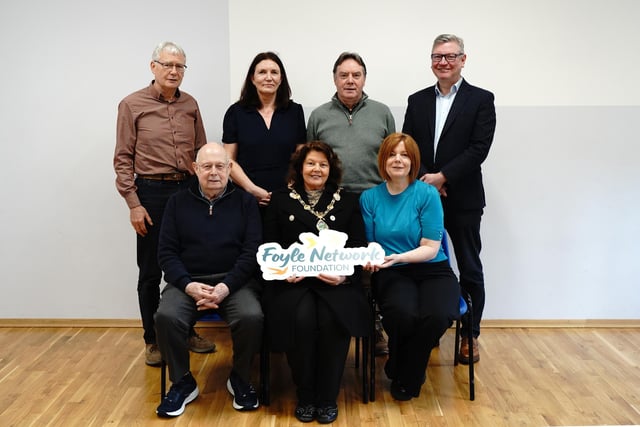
{"type": "Point", "coordinates": [372, 368]}
{"type": "Point", "coordinates": [163, 379]}
{"type": "Point", "coordinates": [265, 375]}
{"type": "Point", "coordinates": [365, 374]}
{"type": "Point", "coordinates": [372, 353]}
{"type": "Point", "coordinates": [364, 341]}
{"type": "Point", "coordinates": [469, 334]}
{"type": "Point", "coordinates": [472, 386]}
{"type": "Point", "coordinates": [456, 343]}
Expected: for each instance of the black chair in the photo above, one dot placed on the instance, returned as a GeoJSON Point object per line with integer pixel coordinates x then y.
{"type": "Point", "coordinates": [368, 345]}
{"type": "Point", "coordinates": [466, 314]}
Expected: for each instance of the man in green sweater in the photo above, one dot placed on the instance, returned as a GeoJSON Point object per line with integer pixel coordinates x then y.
{"type": "Point", "coordinates": [354, 125]}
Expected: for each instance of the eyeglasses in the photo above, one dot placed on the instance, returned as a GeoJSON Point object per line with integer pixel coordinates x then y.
{"type": "Point", "coordinates": [449, 57]}
{"type": "Point", "coordinates": [168, 66]}
{"type": "Point", "coordinates": [208, 167]}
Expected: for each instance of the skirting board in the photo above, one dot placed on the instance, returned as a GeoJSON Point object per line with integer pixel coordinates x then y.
{"type": "Point", "coordinates": [488, 323]}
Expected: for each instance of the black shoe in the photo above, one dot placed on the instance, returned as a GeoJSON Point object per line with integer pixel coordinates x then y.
{"type": "Point", "coordinates": [244, 395]}
{"type": "Point", "coordinates": [398, 392]}
{"type": "Point", "coordinates": [327, 414]}
{"type": "Point", "coordinates": [180, 394]}
{"type": "Point", "coordinates": [305, 413]}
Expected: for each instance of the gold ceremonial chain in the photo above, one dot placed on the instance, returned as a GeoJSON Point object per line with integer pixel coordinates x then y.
{"type": "Point", "coordinates": [320, 225]}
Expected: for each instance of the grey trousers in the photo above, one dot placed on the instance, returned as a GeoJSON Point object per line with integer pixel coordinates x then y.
{"type": "Point", "coordinates": [177, 313]}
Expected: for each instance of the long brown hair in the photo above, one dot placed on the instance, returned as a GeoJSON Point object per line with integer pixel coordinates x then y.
{"type": "Point", "coordinates": [249, 94]}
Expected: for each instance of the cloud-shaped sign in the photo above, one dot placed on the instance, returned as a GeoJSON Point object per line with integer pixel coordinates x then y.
{"type": "Point", "coordinates": [316, 254]}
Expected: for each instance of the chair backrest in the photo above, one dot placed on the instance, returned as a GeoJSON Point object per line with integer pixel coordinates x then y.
{"type": "Point", "coordinates": [210, 317]}
{"type": "Point", "coordinates": [445, 245]}
{"type": "Point", "coordinates": [463, 306]}
{"type": "Point", "coordinates": [445, 248]}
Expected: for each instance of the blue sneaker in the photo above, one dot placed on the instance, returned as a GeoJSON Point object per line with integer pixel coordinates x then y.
{"type": "Point", "coordinates": [180, 394]}
{"type": "Point", "coordinates": [244, 395]}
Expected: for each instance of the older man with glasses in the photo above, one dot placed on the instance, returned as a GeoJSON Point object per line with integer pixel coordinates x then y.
{"type": "Point", "coordinates": [207, 250]}
{"type": "Point", "coordinates": [453, 124]}
{"type": "Point", "coordinates": [159, 130]}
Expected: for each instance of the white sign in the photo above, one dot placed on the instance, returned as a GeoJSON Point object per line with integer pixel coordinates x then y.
{"type": "Point", "coordinates": [316, 254]}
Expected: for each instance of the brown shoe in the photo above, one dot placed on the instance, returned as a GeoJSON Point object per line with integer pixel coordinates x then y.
{"type": "Point", "coordinates": [382, 348]}
{"type": "Point", "coordinates": [197, 344]}
{"type": "Point", "coordinates": [463, 356]}
{"type": "Point", "coordinates": [152, 356]}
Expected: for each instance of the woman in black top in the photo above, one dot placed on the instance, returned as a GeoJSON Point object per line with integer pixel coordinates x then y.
{"type": "Point", "coordinates": [263, 129]}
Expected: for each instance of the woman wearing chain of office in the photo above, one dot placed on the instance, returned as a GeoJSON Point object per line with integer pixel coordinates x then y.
{"type": "Point", "coordinates": [313, 319]}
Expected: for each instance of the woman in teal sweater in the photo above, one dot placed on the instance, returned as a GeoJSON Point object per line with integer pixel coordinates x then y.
{"type": "Point", "coordinates": [415, 288]}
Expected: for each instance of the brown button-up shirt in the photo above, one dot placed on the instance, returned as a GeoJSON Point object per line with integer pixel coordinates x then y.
{"type": "Point", "coordinates": [155, 136]}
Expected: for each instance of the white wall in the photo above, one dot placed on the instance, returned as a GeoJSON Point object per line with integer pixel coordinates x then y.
{"type": "Point", "coordinates": [560, 228]}
{"type": "Point", "coordinates": [547, 52]}
{"type": "Point", "coordinates": [66, 246]}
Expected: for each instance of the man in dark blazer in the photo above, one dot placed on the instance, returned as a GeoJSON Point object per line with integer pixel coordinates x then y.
{"type": "Point", "coordinates": [453, 124]}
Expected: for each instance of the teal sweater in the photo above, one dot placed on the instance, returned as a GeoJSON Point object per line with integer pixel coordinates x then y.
{"type": "Point", "coordinates": [355, 136]}
{"type": "Point", "coordinates": [399, 221]}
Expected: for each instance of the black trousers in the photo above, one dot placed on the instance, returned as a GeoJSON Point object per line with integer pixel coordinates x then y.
{"type": "Point", "coordinates": [418, 303]}
{"type": "Point", "coordinates": [319, 353]}
{"type": "Point", "coordinates": [153, 196]}
{"type": "Point", "coordinates": [464, 230]}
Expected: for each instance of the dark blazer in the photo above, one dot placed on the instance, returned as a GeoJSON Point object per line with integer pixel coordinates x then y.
{"type": "Point", "coordinates": [284, 220]}
{"type": "Point", "coordinates": [464, 143]}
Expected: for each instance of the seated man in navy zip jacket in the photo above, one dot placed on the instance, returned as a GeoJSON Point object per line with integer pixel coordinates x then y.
{"type": "Point", "coordinates": [207, 250]}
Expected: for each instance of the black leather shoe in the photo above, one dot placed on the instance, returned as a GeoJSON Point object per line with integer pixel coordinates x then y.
{"type": "Point", "coordinates": [305, 413]}
{"type": "Point", "coordinates": [327, 414]}
{"type": "Point", "coordinates": [398, 392]}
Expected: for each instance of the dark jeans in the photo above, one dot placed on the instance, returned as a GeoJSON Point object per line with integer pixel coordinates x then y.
{"type": "Point", "coordinates": [153, 196]}
{"type": "Point", "coordinates": [464, 229]}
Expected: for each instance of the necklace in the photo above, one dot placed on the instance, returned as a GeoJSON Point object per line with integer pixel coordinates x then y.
{"type": "Point", "coordinates": [313, 196]}
{"type": "Point", "coordinates": [321, 224]}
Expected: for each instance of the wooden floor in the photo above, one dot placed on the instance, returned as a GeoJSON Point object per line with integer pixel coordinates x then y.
{"type": "Point", "coordinates": [526, 377]}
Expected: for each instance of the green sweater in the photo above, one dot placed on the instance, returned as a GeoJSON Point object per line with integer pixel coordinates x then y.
{"type": "Point", "coordinates": [355, 136]}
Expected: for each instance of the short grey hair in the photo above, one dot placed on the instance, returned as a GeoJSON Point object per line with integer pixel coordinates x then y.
{"type": "Point", "coordinates": [169, 47]}
{"type": "Point", "coordinates": [446, 38]}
